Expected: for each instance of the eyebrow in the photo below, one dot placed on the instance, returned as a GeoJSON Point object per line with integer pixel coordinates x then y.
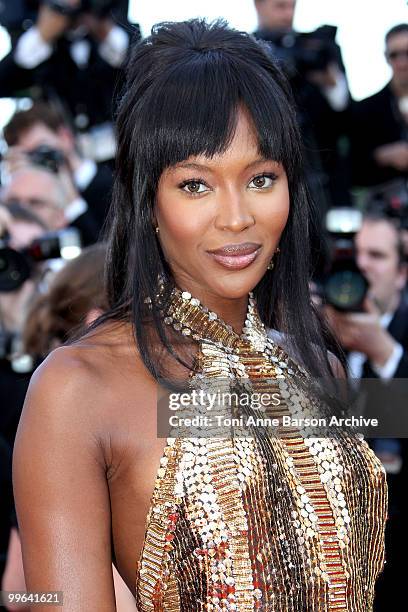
{"type": "Point", "coordinates": [195, 166]}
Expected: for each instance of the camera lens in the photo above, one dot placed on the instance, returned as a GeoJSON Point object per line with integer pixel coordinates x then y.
{"type": "Point", "coordinates": [345, 289]}
{"type": "Point", "coordinates": [14, 269]}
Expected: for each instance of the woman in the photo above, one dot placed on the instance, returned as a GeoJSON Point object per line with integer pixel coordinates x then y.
{"type": "Point", "coordinates": [209, 186]}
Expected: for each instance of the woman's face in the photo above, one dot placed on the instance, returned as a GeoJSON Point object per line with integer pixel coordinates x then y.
{"type": "Point", "coordinates": [220, 219]}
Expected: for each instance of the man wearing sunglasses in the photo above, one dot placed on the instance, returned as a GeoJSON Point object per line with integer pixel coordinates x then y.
{"type": "Point", "coordinates": [380, 122]}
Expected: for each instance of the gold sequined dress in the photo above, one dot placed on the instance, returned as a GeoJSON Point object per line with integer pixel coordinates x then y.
{"type": "Point", "coordinates": [261, 522]}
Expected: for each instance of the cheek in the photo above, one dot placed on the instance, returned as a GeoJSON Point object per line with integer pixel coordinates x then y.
{"type": "Point", "coordinates": [182, 224]}
{"type": "Point", "coordinates": [55, 219]}
{"type": "Point", "coordinates": [43, 214]}
{"type": "Point", "coordinates": [274, 215]}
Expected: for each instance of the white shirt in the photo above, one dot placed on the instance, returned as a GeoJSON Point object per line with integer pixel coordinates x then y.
{"type": "Point", "coordinates": [338, 95]}
{"type": "Point", "coordinates": [75, 209]}
{"type": "Point", "coordinates": [85, 173]}
{"type": "Point", "coordinates": [356, 359]}
{"type": "Point", "coordinates": [32, 50]}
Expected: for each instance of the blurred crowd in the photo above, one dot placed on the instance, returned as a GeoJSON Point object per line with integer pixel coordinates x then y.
{"type": "Point", "coordinates": [68, 58]}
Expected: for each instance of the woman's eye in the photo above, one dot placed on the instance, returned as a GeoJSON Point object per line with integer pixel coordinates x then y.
{"type": "Point", "coordinates": [194, 187]}
{"type": "Point", "coordinates": [263, 181]}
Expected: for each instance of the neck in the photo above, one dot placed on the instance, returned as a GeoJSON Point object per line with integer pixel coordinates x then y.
{"type": "Point", "coordinates": [232, 311]}
{"type": "Point", "coordinates": [390, 305]}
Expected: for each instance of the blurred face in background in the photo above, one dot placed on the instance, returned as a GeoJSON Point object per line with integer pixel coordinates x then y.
{"type": "Point", "coordinates": [40, 134]}
{"type": "Point", "coordinates": [20, 232]}
{"type": "Point", "coordinates": [275, 14]}
{"type": "Point", "coordinates": [38, 190]}
{"type": "Point", "coordinates": [20, 228]}
{"type": "Point", "coordinates": [397, 57]}
{"type": "Point", "coordinates": [378, 259]}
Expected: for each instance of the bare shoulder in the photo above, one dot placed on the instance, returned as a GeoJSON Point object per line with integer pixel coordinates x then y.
{"type": "Point", "coordinates": [92, 361]}
{"type": "Point", "coordinates": [67, 446]}
{"type": "Point", "coordinates": [86, 386]}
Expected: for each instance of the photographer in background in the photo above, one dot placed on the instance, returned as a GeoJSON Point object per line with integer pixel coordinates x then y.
{"type": "Point", "coordinates": [29, 255]}
{"type": "Point", "coordinates": [74, 52]}
{"type": "Point", "coordinates": [275, 15]}
{"type": "Point", "coordinates": [380, 122]}
{"type": "Point", "coordinates": [44, 185]}
{"type": "Point", "coordinates": [314, 66]}
{"type": "Point", "coordinates": [377, 344]}
{"type": "Point", "coordinates": [377, 338]}
{"type": "Point", "coordinates": [19, 227]}
{"type": "Point", "coordinates": [43, 126]}
{"type": "Point", "coordinates": [76, 296]}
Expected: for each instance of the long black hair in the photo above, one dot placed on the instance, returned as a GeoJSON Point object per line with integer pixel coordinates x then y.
{"type": "Point", "coordinates": [184, 86]}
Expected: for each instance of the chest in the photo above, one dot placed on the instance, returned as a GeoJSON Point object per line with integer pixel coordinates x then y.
{"type": "Point", "coordinates": [245, 518]}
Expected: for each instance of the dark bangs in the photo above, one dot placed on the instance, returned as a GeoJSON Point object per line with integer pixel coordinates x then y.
{"type": "Point", "coordinates": [185, 84]}
{"type": "Point", "coordinates": [192, 107]}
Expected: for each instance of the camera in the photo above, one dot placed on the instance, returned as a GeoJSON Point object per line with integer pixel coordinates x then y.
{"type": "Point", "coordinates": [342, 285]}
{"type": "Point", "coordinates": [17, 266]}
{"type": "Point", "coordinates": [46, 157]}
{"type": "Point", "coordinates": [19, 15]}
{"type": "Point", "coordinates": [6, 343]}
{"type": "Point", "coordinates": [100, 8]}
{"type": "Point", "coordinates": [391, 200]}
{"type": "Point", "coordinates": [302, 52]}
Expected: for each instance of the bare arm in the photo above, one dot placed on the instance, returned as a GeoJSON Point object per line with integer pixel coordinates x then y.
{"type": "Point", "coordinates": [61, 491]}
{"type": "Point", "coordinates": [13, 577]}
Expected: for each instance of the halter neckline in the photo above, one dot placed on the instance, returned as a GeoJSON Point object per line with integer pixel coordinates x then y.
{"type": "Point", "coordinates": [188, 316]}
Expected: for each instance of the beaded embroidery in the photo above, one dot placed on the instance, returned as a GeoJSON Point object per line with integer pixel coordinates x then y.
{"type": "Point", "coordinates": [279, 523]}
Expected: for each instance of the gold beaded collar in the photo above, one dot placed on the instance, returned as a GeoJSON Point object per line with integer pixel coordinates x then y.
{"type": "Point", "coordinates": [188, 316]}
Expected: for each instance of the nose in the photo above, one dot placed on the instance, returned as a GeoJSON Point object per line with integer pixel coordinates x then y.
{"type": "Point", "coordinates": [233, 212]}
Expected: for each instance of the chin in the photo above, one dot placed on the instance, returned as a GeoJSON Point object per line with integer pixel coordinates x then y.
{"type": "Point", "coordinates": [234, 288]}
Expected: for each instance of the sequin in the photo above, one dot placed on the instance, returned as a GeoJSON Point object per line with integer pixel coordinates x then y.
{"type": "Point", "coordinates": [262, 522]}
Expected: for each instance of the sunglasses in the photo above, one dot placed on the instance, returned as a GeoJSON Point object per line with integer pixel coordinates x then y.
{"type": "Point", "coordinates": [393, 55]}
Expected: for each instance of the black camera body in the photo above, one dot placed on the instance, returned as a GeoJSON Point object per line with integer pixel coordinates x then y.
{"type": "Point", "coordinates": [342, 285]}
{"type": "Point", "coordinates": [99, 8]}
{"type": "Point", "coordinates": [391, 200]}
{"type": "Point", "coordinates": [47, 157]}
{"type": "Point", "coordinates": [17, 266]}
{"type": "Point", "coordinates": [18, 15]}
{"type": "Point", "coordinates": [302, 52]}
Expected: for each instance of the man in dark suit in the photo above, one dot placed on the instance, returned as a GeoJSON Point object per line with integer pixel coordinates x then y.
{"type": "Point", "coordinates": [377, 339]}
{"type": "Point", "coordinates": [43, 125]}
{"type": "Point", "coordinates": [377, 345]}
{"type": "Point", "coordinates": [72, 55]}
{"type": "Point", "coordinates": [314, 66]}
{"type": "Point", "coordinates": [380, 122]}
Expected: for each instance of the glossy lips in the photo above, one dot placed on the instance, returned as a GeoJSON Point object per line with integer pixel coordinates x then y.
{"type": "Point", "coordinates": [236, 256]}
